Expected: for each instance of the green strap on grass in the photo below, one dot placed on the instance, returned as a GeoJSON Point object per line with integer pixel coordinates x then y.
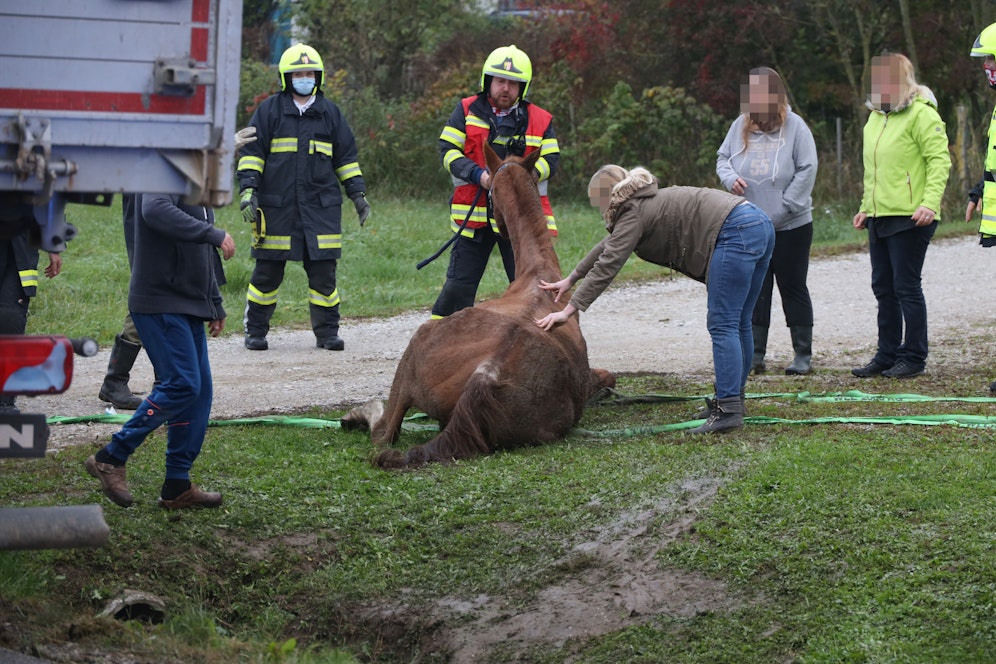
{"type": "Point", "coordinates": [956, 419]}
{"type": "Point", "coordinates": [282, 420]}
{"type": "Point", "coordinates": [410, 423]}
{"type": "Point", "coordinates": [825, 397]}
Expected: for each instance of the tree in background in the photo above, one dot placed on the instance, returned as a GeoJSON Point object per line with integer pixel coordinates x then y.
{"type": "Point", "coordinates": [404, 65]}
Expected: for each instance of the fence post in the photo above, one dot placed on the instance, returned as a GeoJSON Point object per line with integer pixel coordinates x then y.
{"type": "Point", "coordinates": [962, 139]}
{"type": "Point", "coordinates": [840, 161]}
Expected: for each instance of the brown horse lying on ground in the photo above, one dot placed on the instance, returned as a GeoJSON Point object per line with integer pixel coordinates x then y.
{"type": "Point", "coordinates": [488, 374]}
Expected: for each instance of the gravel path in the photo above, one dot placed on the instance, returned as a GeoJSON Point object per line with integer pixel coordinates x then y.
{"type": "Point", "coordinates": [654, 327]}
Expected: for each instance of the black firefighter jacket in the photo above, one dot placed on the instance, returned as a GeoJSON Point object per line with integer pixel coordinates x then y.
{"type": "Point", "coordinates": [296, 166]}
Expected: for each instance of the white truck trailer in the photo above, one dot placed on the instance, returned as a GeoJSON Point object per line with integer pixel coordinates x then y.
{"type": "Point", "coordinates": [99, 97]}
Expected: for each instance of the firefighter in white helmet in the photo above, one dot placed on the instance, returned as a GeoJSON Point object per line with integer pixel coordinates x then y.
{"type": "Point", "coordinates": [292, 180]}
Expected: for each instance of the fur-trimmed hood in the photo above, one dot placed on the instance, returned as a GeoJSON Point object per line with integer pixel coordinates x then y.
{"type": "Point", "coordinates": [636, 179]}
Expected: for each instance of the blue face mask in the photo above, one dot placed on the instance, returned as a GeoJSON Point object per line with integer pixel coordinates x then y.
{"type": "Point", "coordinates": [303, 86]}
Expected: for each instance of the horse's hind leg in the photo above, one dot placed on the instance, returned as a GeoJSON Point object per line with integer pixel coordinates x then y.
{"type": "Point", "coordinates": [362, 418]}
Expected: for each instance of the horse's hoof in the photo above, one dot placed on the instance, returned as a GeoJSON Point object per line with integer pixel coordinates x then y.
{"type": "Point", "coordinates": [363, 417]}
{"type": "Point", "coordinates": [350, 423]}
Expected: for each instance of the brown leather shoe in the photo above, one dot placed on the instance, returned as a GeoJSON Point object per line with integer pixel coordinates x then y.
{"type": "Point", "coordinates": [112, 481]}
{"type": "Point", "coordinates": [192, 497]}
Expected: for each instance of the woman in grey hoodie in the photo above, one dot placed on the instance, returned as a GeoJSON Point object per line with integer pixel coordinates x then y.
{"type": "Point", "coordinates": [769, 158]}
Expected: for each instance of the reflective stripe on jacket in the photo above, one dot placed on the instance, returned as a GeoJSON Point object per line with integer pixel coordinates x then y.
{"type": "Point", "coordinates": [296, 166]}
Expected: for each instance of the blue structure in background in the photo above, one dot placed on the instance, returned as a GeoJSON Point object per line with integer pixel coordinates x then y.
{"type": "Point", "coordinates": [280, 40]}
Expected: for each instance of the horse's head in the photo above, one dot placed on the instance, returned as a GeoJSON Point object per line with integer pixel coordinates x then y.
{"type": "Point", "coordinates": [524, 176]}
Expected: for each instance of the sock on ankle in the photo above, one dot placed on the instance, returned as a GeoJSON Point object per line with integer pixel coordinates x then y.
{"type": "Point", "coordinates": [174, 488]}
{"type": "Point", "coordinates": [104, 457]}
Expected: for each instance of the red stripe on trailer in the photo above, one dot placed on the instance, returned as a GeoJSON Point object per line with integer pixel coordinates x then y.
{"type": "Point", "coordinates": [199, 44]}
{"type": "Point", "coordinates": [201, 11]}
{"type": "Point", "coordinates": [108, 102]}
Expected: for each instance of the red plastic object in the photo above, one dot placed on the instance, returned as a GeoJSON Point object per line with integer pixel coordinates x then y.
{"type": "Point", "coordinates": [35, 364]}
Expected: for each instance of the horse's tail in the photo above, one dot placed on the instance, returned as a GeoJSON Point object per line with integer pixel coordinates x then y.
{"type": "Point", "coordinates": [468, 432]}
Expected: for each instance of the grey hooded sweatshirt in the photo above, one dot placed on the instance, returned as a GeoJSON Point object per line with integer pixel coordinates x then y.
{"type": "Point", "coordinates": [779, 168]}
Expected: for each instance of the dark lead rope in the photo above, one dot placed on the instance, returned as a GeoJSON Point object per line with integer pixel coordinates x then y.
{"type": "Point", "coordinates": [453, 237]}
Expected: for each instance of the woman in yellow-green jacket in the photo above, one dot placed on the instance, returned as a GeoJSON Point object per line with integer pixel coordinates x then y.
{"type": "Point", "coordinates": [906, 163]}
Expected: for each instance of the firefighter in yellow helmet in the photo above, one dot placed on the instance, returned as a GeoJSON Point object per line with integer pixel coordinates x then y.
{"type": "Point", "coordinates": [292, 181]}
{"type": "Point", "coordinates": [500, 115]}
{"type": "Point", "coordinates": [983, 195]}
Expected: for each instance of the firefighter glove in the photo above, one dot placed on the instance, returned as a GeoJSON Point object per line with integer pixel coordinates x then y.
{"type": "Point", "coordinates": [249, 205]}
{"type": "Point", "coordinates": [244, 136]}
{"type": "Point", "coordinates": [362, 207]}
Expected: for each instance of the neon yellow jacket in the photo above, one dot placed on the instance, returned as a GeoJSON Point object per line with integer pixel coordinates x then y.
{"type": "Point", "coordinates": [906, 160]}
{"type": "Point", "coordinates": [987, 226]}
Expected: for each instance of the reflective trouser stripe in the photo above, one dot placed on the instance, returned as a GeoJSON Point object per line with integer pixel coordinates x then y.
{"type": "Point", "coordinates": [319, 300]}
{"type": "Point", "coordinates": [261, 298]}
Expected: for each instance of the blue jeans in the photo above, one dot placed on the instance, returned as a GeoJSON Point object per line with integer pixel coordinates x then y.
{"type": "Point", "coordinates": [736, 274]}
{"type": "Point", "coordinates": [897, 262]}
{"type": "Point", "coordinates": [177, 346]}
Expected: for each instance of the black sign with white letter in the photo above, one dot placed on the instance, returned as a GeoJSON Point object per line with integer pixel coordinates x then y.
{"type": "Point", "coordinates": [23, 435]}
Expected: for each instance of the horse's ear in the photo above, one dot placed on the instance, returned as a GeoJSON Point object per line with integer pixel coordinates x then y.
{"type": "Point", "coordinates": [491, 158]}
{"type": "Point", "coordinates": [530, 161]}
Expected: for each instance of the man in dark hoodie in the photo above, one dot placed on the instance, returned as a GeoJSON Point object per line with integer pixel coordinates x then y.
{"type": "Point", "coordinates": [173, 292]}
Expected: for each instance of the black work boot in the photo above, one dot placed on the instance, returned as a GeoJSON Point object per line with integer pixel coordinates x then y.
{"type": "Point", "coordinates": [760, 334]}
{"type": "Point", "coordinates": [7, 406]}
{"type": "Point", "coordinates": [256, 343]}
{"type": "Point", "coordinates": [115, 389]}
{"type": "Point", "coordinates": [325, 325]}
{"type": "Point", "coordinates": [802, 344]}
{"type": "Point", "coordinates": [257, 324]}
{"type": "Point", "coordinates": [727, 413]}
{"type": "Point", "coordinates": [331, 342]}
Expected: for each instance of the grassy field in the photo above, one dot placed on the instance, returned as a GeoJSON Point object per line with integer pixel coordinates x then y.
{"type": "Point", "coordinates": [788, 541]}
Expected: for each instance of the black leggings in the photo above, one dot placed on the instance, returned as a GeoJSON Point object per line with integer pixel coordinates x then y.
{"type": "Point", "coordinates": [790, 267]}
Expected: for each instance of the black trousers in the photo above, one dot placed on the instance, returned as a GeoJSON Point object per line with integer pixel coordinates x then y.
{"type": "Point", "coordinates": [267, 277]}
{"type": "Point", "coordinates": [897, 263]}
{"type": "Point", "coordinates": [790, 268]}
{"type": "Point", "coordinates": [468, 260]}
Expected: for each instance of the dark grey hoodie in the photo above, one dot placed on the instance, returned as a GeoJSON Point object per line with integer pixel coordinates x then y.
{"type": "Point", "coordinates": [175, 259]}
